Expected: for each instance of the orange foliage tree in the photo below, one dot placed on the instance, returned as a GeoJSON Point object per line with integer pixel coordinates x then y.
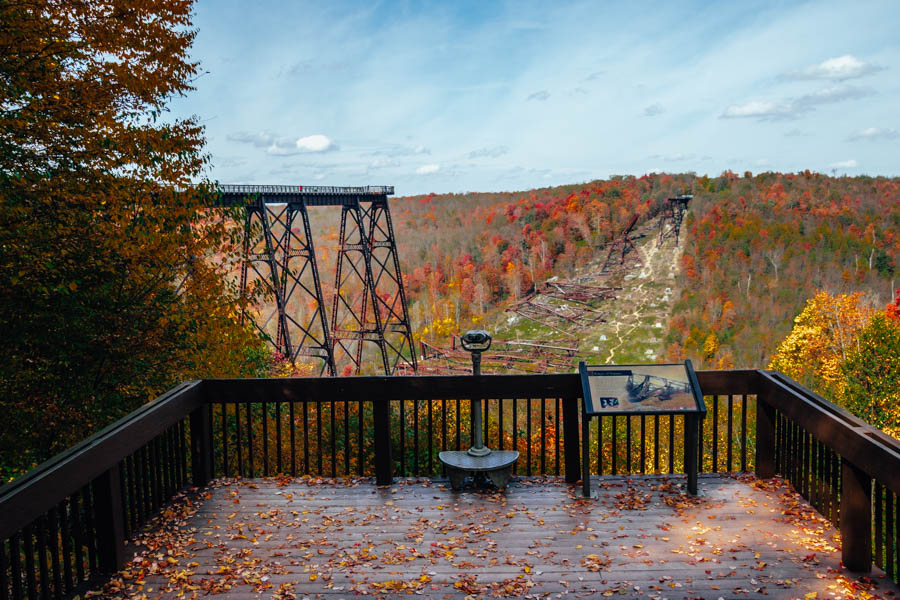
{"type": "Point", "coordinates": [107, 295]}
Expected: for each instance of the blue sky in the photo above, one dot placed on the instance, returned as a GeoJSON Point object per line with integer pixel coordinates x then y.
{"type": "Point", "coordinates": [481, 96]}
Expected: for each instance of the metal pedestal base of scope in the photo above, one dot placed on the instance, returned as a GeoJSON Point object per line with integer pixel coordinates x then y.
{"type": "Point", "coordinates": [496, 466]}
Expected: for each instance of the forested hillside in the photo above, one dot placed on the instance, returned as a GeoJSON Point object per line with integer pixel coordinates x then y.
{"type": "Point", "coordinates": [466, 256]}
{"type": "Point", "coordinates": [755, 248]}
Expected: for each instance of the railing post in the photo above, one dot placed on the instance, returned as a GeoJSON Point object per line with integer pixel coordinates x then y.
{"type": "Point", "coordinates": [201, 446]}
{"type": "Point", "coordinates": [765, 439]}
{"type": "Point", "coordinates": [856, 518]}
{"type": "Point", "coordinates": [570, 440]}
{"type": "Point", "coordinates": [109, 519]}
{"type": "Point", "coordinates": [381, 414]}
{"type": "Point", "coordinates": [692, 443]}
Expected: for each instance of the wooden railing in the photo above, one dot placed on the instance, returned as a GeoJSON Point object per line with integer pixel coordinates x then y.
{"type": "Point", "coordinates": [66, 522]}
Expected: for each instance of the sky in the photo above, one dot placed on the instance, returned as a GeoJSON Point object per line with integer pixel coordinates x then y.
{"type": "Point", "coordinates": [484, 96]}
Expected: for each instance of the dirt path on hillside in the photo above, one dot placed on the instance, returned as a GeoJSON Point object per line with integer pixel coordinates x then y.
{"type": "Point", "coordinates": [659, 269]}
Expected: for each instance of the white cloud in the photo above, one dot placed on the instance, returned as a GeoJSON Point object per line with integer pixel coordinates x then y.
{"type": "Point", "coordinates": [383, 163]}
{"type": "Point", "coordinates": [835, 69]}
{"type": "Point", "coordinates": [260, 139]}
{"type": "Point", "coordinates": [491, 152]}
{"type": "Point", "coordinates": [595, 76]}
{"type": "Point", "coordinates": [315, 143]}
{"type": "Point", "coordinates": [282, 146]}
{"type": "Point", "coordinates": [421, 149]}
{"type": "Point", "coordinates": [428, 169]}
{"type": "Point", "coordinates": [844, 164]}
{"type": "Point", "coordinates": [792, 108]}
{"type": "Point", "coordinates": [539, 96]}
{"type": "Point", "coordinates": [875, 134]}
{"type": "Point", "coordinates": [653, 110]}
{"type": "Point", "coordinates": [756, 109]}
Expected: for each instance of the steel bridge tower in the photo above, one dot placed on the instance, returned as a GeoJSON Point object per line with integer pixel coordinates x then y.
{"type": "Point", "coordinates": [672, 216]}
{"type": "Point", "coordinates": [280, 262]}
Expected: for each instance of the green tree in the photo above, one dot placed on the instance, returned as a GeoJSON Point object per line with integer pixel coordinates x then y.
{"type": "Point", "coordinates": [112, 274]}
{"type": "Point", "coordinates": [873, 375]}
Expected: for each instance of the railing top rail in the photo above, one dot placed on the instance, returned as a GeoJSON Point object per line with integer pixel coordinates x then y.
{"type": "Point", "coordinates": [381, 388]}
{"type": "Point", "coordinates": [45, 486]}
{"type": "Point", "coordinates": [868, 448]}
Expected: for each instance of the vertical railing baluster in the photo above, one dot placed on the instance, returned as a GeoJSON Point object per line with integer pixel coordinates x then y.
{"type": "Point", "coordinates": [443, 424]}
{"type": "Point", "coordinates": [515, 431]}
{"type": "Point", "coordinates": [643, 444]}
{"type": "Point", "coordinates": [237, 441]}
{"type": "Point", "coordinates": [556, 403]}
{"type": "Point", "coordinates": [728, 452]}
{"type": "Point", "coordinates": [332, 432]}
{"type": "Point", "coordinates": [43, 572]}
{"type": "Point", "coordinates": [671, 444]}
{"type": "Point", "coordinates": [878, 541]}
{"type": "Point", "coordinates": [4, 566]}
{"type": "Point", "coordinates": [600, 445]}
{"type": "Point", "coordinates": [30, 579]}
{"type": "Point", "coordinates": [78, 534]}
{"type": "Point", "coordinates": [656, 443]}
{"type": "Point", "coordinates": [615, 447]}
{"type": "Point", "coordinates": [251, 471]}
{"type": "Point", "coordinates": [458, 425]}
{"type": "Point", "coordinates": [700, 425]}
{"type": "Point", "coordinates": [528, 434]}
{"type": "Point", "coordinates": [402, 434]}
{"type": "Point", "coordinates": [265, 438]}
{"type": "Point", "coordinates": [430, 413]}
{"type": "Point", "coordinates": [226, 472]}
{"type": "Point", "coordinates": [628, 444]}
{"type": "Point", "coordinates": [87, 523]}
{"type": "Point", "coordinates": [543, 461]}
{"type": "Point", "coordinates": [292, 436]}
{"type": "Point", "coordinates": [53, 539]}
{"type": "Point", "coordinates": [416, 454]}
{"type": "Point", "coordinates": [499, 424]}
{"type": "Point", "coordinates": [744, 433]}
{"type": "Point", "coordinates": [15, 566]}
{"type": "Point", "coordinates": [715, 435]}
{"type": "Point", "coordinates": [360, 419]}
{"type": "Point", "coordinates": [306, 437]}
{"type": "Point", "coordinates": [890, 567]}
{"type": "Point", "coordinates": [319, 452]}
{"type": "Point", "coordinates": [891, 558]}
{"type": "Point", "coordinates": [279, 460]}
{"type": "Point", "coordinates": [345, 406]}
{"type": "Point", "coordinates": [65, 534]}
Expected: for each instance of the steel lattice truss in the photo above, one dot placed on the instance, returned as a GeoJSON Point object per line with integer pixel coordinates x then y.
{"type": "Point", "coordinates": [369, 303]}
{"type": "Point", "coordinates": [279, 255]}
{"type": "Point", "coordinates": [671, 218]}
{"type": "Point", "coordinates": [622, 249]}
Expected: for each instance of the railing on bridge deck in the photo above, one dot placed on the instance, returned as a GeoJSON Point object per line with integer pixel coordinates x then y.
{"type": "Point", "coordinates": [64, 524]}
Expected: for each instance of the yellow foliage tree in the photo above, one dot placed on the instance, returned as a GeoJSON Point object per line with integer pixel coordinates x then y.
{"type": "Point", "coordinates": [825, 333]}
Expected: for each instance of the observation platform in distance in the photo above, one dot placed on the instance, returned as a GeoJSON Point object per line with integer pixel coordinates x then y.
{"type": "Point", "coordinates": [310, 195]}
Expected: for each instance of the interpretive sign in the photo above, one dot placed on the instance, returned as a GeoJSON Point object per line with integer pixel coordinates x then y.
{"type": "Point", "coordinates": [653, 389]}
{"type": "Point", "coordinates": [632, 390]}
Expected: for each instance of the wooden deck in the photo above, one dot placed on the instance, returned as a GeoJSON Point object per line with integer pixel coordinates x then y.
{"type": "Point", "coordinates": [297, 538]}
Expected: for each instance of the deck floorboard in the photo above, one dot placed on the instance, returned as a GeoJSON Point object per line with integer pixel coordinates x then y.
{"type": "Point", "coordinates": [283, 538]}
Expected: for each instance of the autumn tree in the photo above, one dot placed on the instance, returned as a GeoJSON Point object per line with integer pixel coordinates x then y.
{"type": "Point", "coordinates": [108, 290]}
{"type": "Point", "coordinates": [824, 335]}
{"type": "Point", "coordinates": [872, 374]}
